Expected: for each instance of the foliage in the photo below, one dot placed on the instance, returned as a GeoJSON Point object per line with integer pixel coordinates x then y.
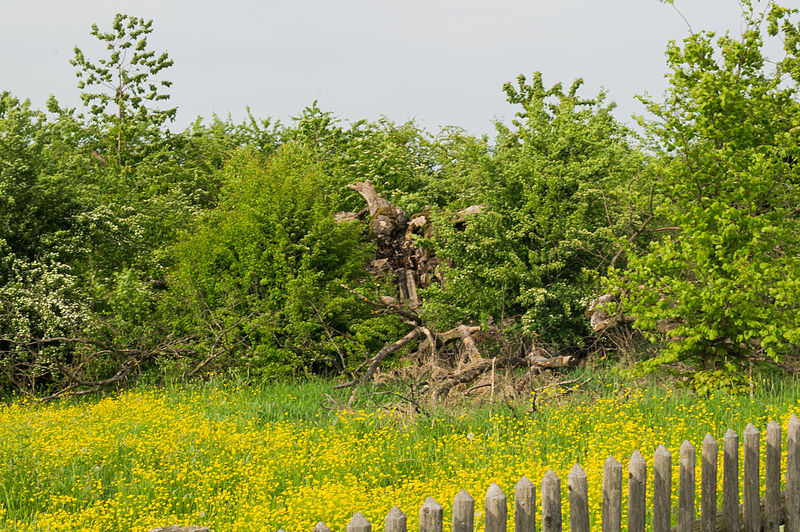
{"type": "Point", "coordinates": [554, 188]}
{"type": "Point", "coordinates": [124, 244]}
{"type": "Point", "coordinates": [126, 80]}
{"type": "Point", "coordinates": [263, 270]}
{"type": "Point", "coordinates": [270, 456]}
{"type": "Point", "coordinates": [725, 282]}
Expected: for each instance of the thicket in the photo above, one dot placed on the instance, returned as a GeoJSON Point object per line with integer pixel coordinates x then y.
{"type": "Point", "coordinates": [128, 250]}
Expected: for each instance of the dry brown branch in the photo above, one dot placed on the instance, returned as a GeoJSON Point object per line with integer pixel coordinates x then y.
{"type": "Point", "coordinates": [220, 345]}
{"type": "Point", "coordinates": [377, 359]}
{"type": "Point", "coordinates": [388, 305]}
{"type": "Point", "coordinates": [473, 372]}
{"type": "Point", "coordinates": [367, 191]}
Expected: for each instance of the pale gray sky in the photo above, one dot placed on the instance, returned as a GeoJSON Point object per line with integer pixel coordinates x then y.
{"type": "Point", "coordinates": [441, 62]}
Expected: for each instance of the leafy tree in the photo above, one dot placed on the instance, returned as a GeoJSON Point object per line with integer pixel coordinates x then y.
{"type": "Point", "coordinates": [554, 191]}
{"type": "Point", "coordinates": [725, 282]}
{"type": "Point", "coordinates": [124, 85]}
{"type": "Point", "coordinates": [259, 278]}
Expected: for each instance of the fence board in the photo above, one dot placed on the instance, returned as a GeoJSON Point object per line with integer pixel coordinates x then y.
{"type": "Point", "coordinates": [662, 489]}
{"type": "Point", "coordinates": [431, 516]}
{"type": "Point", "coordinates": [496, 509]}
{"type": "Point", "coordinates": [793, 475]}
{"type": "Point", "coordinates": [612, 495]}
{"type": "Point", "coordinates": [637, 492]}
{"type": "Point", "coordinates": [359, 523]}
{"type": "Point", "coordinates": [463, 512]}
{"type": "Point", "coordinates": [730, 482]}
{"type": "Point", "coordinates": [578, 486]}
{"type": "Point", "coordinates": [525, 506]}
{"type": "Point", "coordinates": [686, 484]}
{"type": "Point", "coordinates": [708, 489]}
{"type": "Point", "coordinates": [396, 521]}
{"type": "Point", "coordinates": [551, 502]}
{"type": "Point", "coordinates": [772, 478]}
{"type": "Point", "coordinates": [751, 514]}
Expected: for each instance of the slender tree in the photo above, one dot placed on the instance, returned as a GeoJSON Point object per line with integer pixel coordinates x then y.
{"type": "Point", "coordinates": [121, 88]}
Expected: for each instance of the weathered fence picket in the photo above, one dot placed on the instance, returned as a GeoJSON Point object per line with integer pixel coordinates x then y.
{"type": "Point", "coordinates": [730, 481]}
{"type": "Point", "coordinates": [431, 516]}
{"type": "Point", "coordinates": [496, 509]}
{"type": "Point", "coordinates": [662, 490]}
{"type": "Point", "coordinates": [752, 512]}
{"type": "Point", "coordinates": [551, 502]}
{"type": "Point", "coordinates": [578, 486]}
{"type": "Point", "coordinates": [612, 495]}
{"type": "Point", "coordinates": [359, 523]}
{"type": "Point", "coordinates": [793, 474]}
{"type": "Point", "coordinates": [708, 484]}
{"type": "Point", "coordinates": [772, 478]}
{"type": "Point", "coordinates": [525, 506]}
{"type": "Point", "coordinates": [396, 520]}
{"type": "Point", "coordinates": [463, 512]}
{"type": "Point", "coordinates": [777, 511]}
{"type": "Point", "coordinates": [637, 493]}
{"type": "Point", "coordinates": [686, 488]}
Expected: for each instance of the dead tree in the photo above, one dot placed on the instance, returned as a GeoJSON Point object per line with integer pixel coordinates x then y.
{"type": "Point", "coordinates": [413, 268]}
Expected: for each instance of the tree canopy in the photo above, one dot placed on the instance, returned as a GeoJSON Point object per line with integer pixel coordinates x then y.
{"type": "Point", "coordinates": [131, 251]}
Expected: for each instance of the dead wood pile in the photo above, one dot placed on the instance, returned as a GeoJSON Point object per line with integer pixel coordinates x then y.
{"type": "Point", "coordinates": [441, 360]}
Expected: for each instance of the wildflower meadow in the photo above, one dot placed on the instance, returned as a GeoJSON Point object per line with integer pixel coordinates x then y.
{"type": "Point", "coordinates": [235, 458]}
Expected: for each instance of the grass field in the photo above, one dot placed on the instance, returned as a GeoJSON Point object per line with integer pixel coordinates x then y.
{"type": "Point", "coordinates": [241, 458]}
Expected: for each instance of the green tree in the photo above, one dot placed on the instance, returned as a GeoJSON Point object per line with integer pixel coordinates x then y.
{"type": "Point", "coordinates": [259, 279]}
{"type": "Point", "coordinates": [554, 192]}
{"type": "Point", "coordinates": [725, 282]}
{"type": "Point", "coordinates": [120, 89]}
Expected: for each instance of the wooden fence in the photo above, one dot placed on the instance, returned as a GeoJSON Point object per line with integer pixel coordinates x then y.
{"type": "Point", "coordinates": [776, 511]}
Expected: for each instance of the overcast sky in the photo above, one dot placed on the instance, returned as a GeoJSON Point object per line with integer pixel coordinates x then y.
{"type": "Point", "coordinates": [440, 62]}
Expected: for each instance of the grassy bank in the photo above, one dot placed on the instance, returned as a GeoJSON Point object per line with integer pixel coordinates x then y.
{"type": "Point", "coordinates": [243, 458]}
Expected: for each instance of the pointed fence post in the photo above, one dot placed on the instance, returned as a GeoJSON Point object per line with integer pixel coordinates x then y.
{"type": "Point", "coordinates": [793, 475]}
{"type": "Point", "coordinates": [463, 512]}
{"type": "Point", "coordinates": [396, 520]}
{"type": "Point", "coordinates": [662, 490]}
{"type": "Point", "coordinates": [751, 514]}
{"type": "Point", "coordinates": [525, 506]}
{"type": "Point", "coordinates": [730, 481]}
{"type": "Point", "coordinates": [322, 527]}
{"type": "Point", "coordinates": [686, 485]}
{"type": "Point", "coordinates": [359, 523]}
{"type": "Point", "coordinates": [496, 509]}
{"type": "Point", "coordinates": [551, 502]}
{"type": "Point", "coordinates": [430, 516]}
{"type": "Point", "coordinates": [708, 490]}
{"type": "Point", "coordinates": [772, 478]}
{"type": "Point", "coordinates": [637, 492]}
{"type": "Point", "coordinates": [612, 495]}
{"type": "Point", "coordinates": [578, 486]}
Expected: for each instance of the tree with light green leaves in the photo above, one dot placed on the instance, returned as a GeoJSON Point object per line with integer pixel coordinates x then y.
{"type": "Point", "coordinates": [722, 288]}
{"type": "Point", "coordinates": [555, 187]}
{"type": "Point", "coordinates": [121, 89]}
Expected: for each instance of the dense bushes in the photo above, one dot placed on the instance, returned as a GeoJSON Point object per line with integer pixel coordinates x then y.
{"type": "Point", "coordinates": [128, 249]}
{"type": "Point", "coordinates": [555, 187]}
{"type": "Point", "coordinates": [724, 280]}
{"type": "Point", "coordinates": [263, 270]}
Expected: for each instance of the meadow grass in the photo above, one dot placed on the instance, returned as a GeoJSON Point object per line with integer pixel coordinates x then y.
{"type": "Point", "coordinates": [238, 457]}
